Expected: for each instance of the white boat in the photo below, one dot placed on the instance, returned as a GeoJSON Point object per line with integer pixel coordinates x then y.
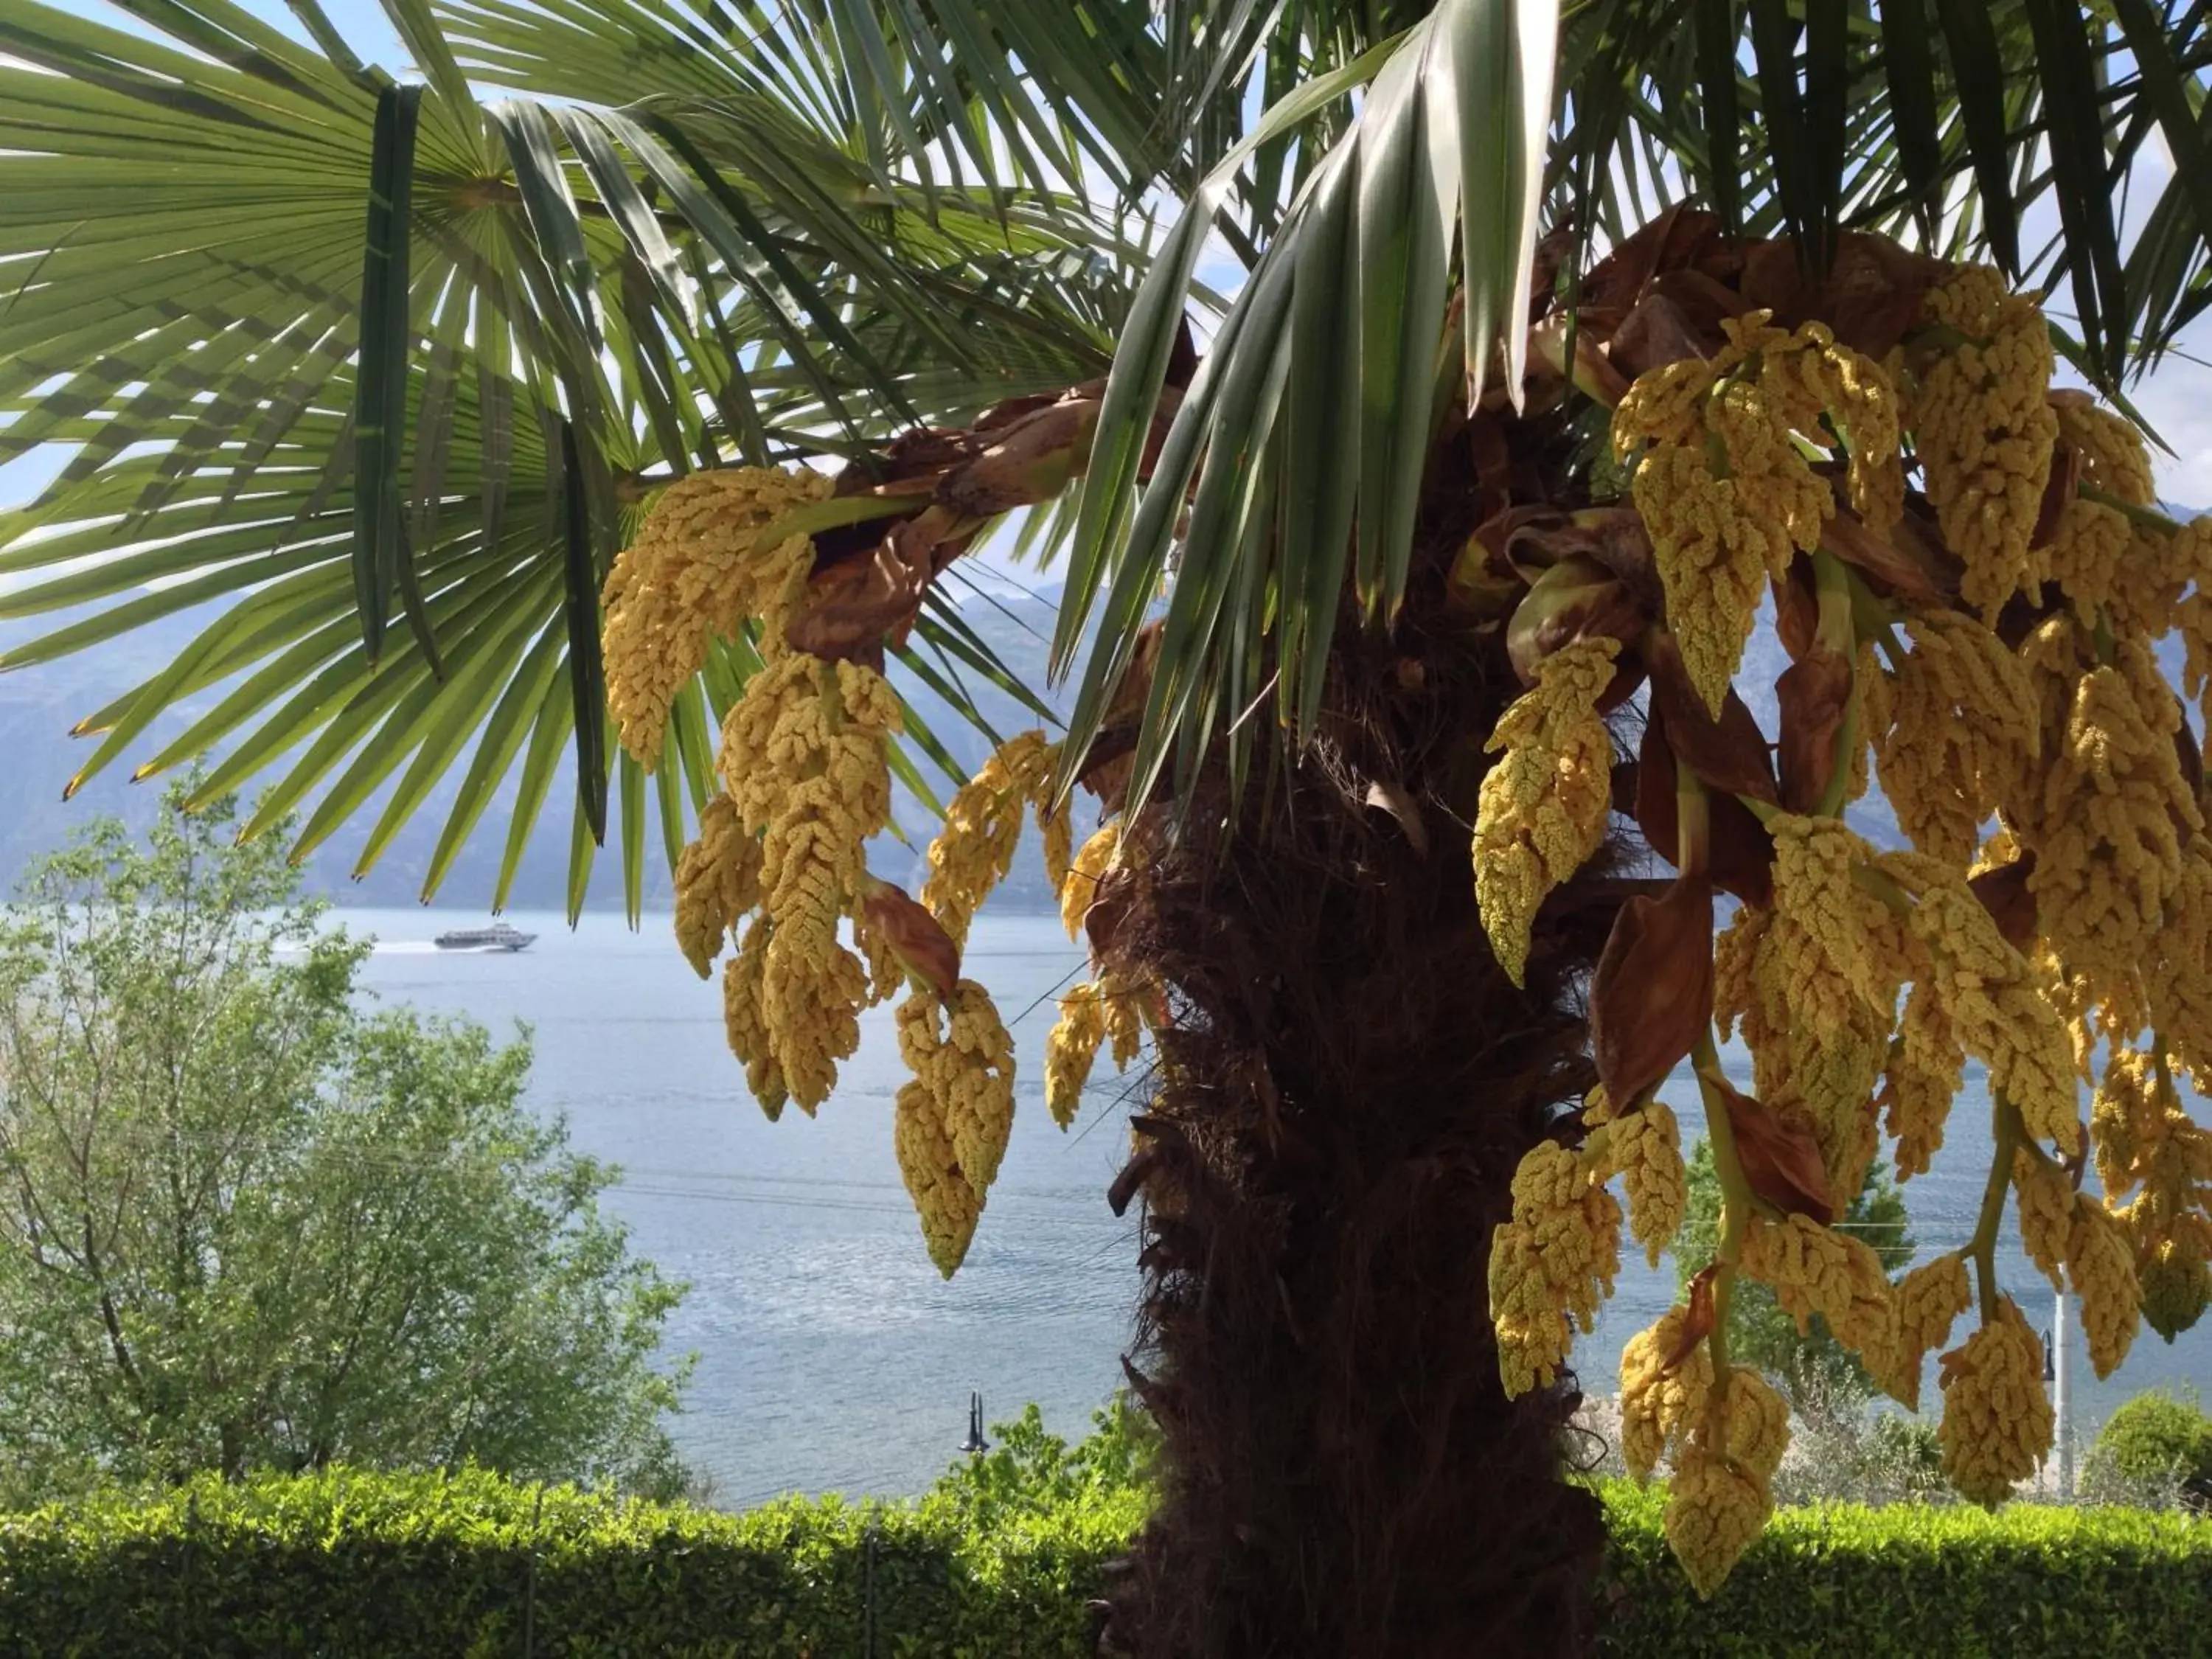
{"type": "Point", "coordinates": [497, 936]}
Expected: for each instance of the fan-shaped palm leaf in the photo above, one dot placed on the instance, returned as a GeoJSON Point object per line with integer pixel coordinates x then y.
{"type": "Point", "coordinates": [348, 349]}
{"type": "Point", "coordinates": [766, 232]}
{"type": "Point", "coordinates": [1294, 456]}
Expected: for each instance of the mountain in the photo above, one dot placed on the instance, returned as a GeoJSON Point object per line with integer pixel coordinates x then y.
{"type": "Point", "coordinates": [40, 703]}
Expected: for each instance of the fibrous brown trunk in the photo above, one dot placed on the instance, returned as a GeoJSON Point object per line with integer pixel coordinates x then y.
{"type": "Point", "coordinates": [1346, 1083]}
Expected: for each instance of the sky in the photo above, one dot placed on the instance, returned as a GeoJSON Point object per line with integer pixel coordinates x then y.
{"type": "Point", "coordinates": [2175, 397]}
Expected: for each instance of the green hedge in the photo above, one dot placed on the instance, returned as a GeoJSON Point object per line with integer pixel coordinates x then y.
{"type": "Point", "coordinates": [1921, 1581]}
{"type": "Point", "coordinates": [368, 1566]}
{"type": "Point", "coordinates": [378, 1567]}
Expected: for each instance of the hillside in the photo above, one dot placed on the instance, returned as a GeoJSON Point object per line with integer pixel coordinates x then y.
{"type": "Point", "coordinates": [39, 705]}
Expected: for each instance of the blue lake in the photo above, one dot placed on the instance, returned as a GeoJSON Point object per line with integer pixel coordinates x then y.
{"type": "Point", "coordinates": [831, 1355]}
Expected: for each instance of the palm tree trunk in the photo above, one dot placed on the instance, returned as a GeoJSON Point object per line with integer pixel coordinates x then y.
{"type": "Point", "coordinates": [1347, 1081]}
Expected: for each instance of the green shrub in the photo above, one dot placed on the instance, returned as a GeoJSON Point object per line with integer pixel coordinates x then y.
{"type": "Point", "coordinates": [385, 1566]}
{"type": "Point", "coordinates": [1031, 1471]}
{"type": "Point", "coordinates": [1912, 1580]}
{"type": "Point", "coordinates": [370, 1565]}
{"type": "Point", "coordinates": [2153, 1440]}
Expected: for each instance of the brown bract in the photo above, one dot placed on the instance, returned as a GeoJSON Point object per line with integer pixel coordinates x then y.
{"type": "Point", "coordinates": [1780, 1155]}
{"type": "Point", "coordinates": [1739, 852]}
{"type": "Point", "coordinates": [1697, 1322]}
{"type": "Point", "coordinates": [1897, 563]}
{"type": "Point", "coordinates": [2004, 894]}
{"type": "Point", "coordinates": [1652, 997]}
{"type": "Point", "coordinates": [1727, 754]}
{"type": "Point", "coordinates": [1814, 692]}
{"type": "Point", "coordinates": [854, 606]}
{"type": "Point", "coordinates": [1576, 599]}
{"type": "Point", "coordinates": [924, 949]}
{"type": "Point", "coordinates": [1029, 461]}
{"type": "Point", "coordinates": [1797, 610]}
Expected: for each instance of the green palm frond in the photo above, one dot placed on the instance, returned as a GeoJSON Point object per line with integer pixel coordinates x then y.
{"type": "Point", "coordinates": [334, 351]}
{"type": "Point", "coordinates": [1294, 455]}
{"type": "Point", "coordinates": [400, 446]}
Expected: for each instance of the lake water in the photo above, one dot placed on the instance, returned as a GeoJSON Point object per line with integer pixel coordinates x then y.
{"type": "Point", "coordinates": [831, 1356]}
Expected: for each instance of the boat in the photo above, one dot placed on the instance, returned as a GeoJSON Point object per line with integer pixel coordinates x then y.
{"type": "Point", "coordinates": [497, 936]}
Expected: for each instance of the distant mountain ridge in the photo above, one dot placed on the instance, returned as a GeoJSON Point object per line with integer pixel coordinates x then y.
{"type": "Point", "coordinates": [39, 704]}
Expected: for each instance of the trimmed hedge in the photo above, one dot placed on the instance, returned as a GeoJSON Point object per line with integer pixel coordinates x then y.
{"type": "Point", "coordinates": [411, 1566]}
{"type": "Point", "coordinates": [381, 1567]}
{"type": "Point", "coordinates": [1921, 1581]}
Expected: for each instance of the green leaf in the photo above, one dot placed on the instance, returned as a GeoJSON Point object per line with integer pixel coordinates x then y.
{"type": "Point", "coordinates": [2071, 111]}
{"type": "Point", "coordinates": [526, 131]}
{"type": "Point", "coordinates": [1781, 115]}
{"type": "Point", "coordinates": [1716, 24]}
{"type": "Point", "coordinates": [580, 606]}
{"type": "Point", "coordinates": [380, 423]}
{"type": "Point", "coordinates": [1908, 43]}
{"type": "Point", "coordinates": [502, 740]}
{"type": "Point", "coordinates": [1977, 73]}
{"type": "Point", "coordinates": [556, 715]}
{"type": "Point", "coordinates": [1319, 490]}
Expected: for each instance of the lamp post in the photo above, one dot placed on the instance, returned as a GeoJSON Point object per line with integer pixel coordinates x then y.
{"type": "Point", "coordinates": [975, 1445]}
{"type": "Point", "coordinates": [2058, 1395]}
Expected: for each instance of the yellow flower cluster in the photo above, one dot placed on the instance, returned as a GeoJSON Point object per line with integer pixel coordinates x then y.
{"type": "Point", "coordinates": [1645, 1149]}
{"type": "Point", "coordinates": [2184, 557]}
{"type": "Point", "coordinates": [1990, 999]}
{"type": "Point", "coordinates": [2176, 1282]}
{"type": "Point", "coordinates": [1541, 811]}
{"type": "Point", "coordinates": [743, 1024]}
{"type": "Point", "coordinates": [1983, 430]}
{"type": "Point", "coordinates": [1862, 406]}
{"type": "Point", "coordinates": [2177, 976]}
{"type": "Point", "coordinates": [693, 572]}
{"type": "Point", "coordinates": [955, 1115]}
{"type": "Point", "coordinates": [1723, 483]}
{"type": "Point", "coordinates": [1929, 1300]}
{"type": "Point", "coordinates": [1658, 1404]}
{"type": "Point", "coordinates": [1720, 1495]}
{"type": "Point", "coordinates": [1555, 1260]}
{"type": "Point", "coordinates": [2100, 1263]}
{"type": "Point", "coordinates": [717, 881]}
{"type": "Point", "coordinates": [1072, 1050]}
{"type": "Point", "coordinates": [1961, 734]}
{"type": "Point", "coordinates": [1816, 1270]}
{"type": "Point", "coordinates": [1758, 1424]}
{"type": "Point", "coordinates": [2114, 458]}
{"type": "Point", "coordinates": [1996, 1420]}
{"type": "Point", "coordinates": [2108, 824]}
{"type": "Point", "coordinates": [1813, 983]}
{"type": "Point", "coordinates": [2061, 727]}
{"type": "Point", "coordinates": [1085, 871]}
{"type": "Point", "coordinates": [982, 825]}
{"type": "Point", "coordinates": [2160, 563]}
{"type": "Point", "coordinates": [1714, 1511]}
{"type": "Point", "coordinates": [1848, 935]}
{"type": "Point", "coordinates": [2092, 555]}
{"type": "Point", "coordinates": [2146, 1139]}
{"type": "Point", "coordinates": [1925, 1067]}
{"type": "Point", "coordinates": [803, 757]}
{"type": "Point", "coordinates": [2047, 1212]}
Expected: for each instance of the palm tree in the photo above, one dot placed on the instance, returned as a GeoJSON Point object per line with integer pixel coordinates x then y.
{"type": "Point", "coordinates": [394, 366]}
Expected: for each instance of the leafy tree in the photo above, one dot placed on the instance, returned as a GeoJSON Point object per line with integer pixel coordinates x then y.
{"type": "Point", "coordinates": [2155, 1440]}
{"type": "Point", "coordinates": [843, 234]}
{"type": "Point", "coordinates": [1030, 1471]}
{"type": "Point", "coordinates": [1815, 1369]}
{"type": "Point", "coordinates": [245, 1223]}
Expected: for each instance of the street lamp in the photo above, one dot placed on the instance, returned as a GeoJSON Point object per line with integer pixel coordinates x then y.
{"type": "Point", "coordinates": [975, 1445]}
